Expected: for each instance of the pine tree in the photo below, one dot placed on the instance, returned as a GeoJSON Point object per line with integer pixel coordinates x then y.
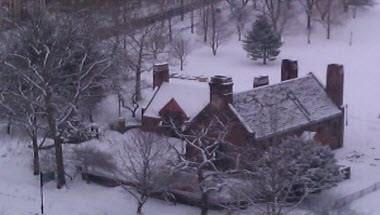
{"type": "Point", "coordinates": [262, 42]}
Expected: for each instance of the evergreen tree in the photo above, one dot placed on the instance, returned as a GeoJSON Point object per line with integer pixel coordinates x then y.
{"type": "Point", "coordinates": [262, 42]}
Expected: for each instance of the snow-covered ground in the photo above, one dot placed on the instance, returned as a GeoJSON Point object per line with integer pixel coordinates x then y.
{"type": "Point", "coordinates": [368, 205]}
{"type": "Point", "coordinates": [362, 78]}
{"type": "Point", "coordinates": [19, 191]}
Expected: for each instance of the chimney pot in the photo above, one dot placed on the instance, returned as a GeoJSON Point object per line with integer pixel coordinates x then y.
{"type": "Point", "coordinates": [260, 81]}
{"type": "Point", "coordinates": [160, 74]}
{"type": "Point", "coordinates": [289, 69]}
{"type": "Point", "coordinates": [335, 83]}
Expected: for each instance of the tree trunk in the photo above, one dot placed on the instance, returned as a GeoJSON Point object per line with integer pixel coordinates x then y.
{"type": "Point", "coordinates": [90, 116]}
{"type": "Point", "coordinates": [213, 30]}
{"type": "Point", "coordinates": [204, 207]}
{"type": "Point", "coordinates": [239, 30]}
{"type": "Point", "coordinates": [139, 207]}
{"type": "Point", "coordinates": [59, 162]}
{"type": "Point", "coordinates": [138, 72]}
{"type": "Point", "coordinates": [138, 85]}
{"type": "Point", "coordinates": [9, 126]}
{"type": "Point", "coordinates": [36, 158]}
{"type": "Point", "coordinates": [204, 196]}
{"type": "Point", "coordinates": [328, 25]}
{"type": "Point", "coordinates": [170, 28]}
{"type": "Point", "coordinates": [192, 22]}
{"type": "Point", "coordinates": [119, 105]}
{"type": "Point", "coordinates": [265, 58]}
{"type": "Point", "coordinates": [205, 20]}
{"type": "Point", "coordinates": [60, 168]}
{"type": "Point", "coordinates": [309, 15]}
{"type": "Point", "coordinates": [182, 10]}
{"type": "Point", "coordinates": [308, 21]}
{"type": "Point", "coordinates": [345, 6]}
{"type": "Point", "coordinates": [354, 9]}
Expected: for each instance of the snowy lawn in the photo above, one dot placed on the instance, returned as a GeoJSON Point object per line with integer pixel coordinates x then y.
{"type": "Point", "coordinates": [362, 77]}
{"type": "Point", "coordinates": [20, 195]}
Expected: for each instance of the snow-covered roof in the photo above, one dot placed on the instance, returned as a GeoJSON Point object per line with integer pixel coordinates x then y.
{"type": "Point", "coordinates": [191, 96]}
{"type": "Point", "coordinates": [284, 106]}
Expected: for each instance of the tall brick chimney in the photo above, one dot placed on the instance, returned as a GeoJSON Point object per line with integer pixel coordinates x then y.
{"type": "Point", "coordinates": [335, 83]}
{"type": "Point", "coordinates": [260, 81]}
{"type": "Point", "coordinates": [289, 69]}
{"type": "Point", "coordinates": [221, 90]}
{"type": "Point", "coordinates": [160, 74]}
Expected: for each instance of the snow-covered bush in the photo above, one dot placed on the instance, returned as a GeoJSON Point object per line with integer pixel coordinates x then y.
{"type": "Point", "coordinates": [288, 172]}
{"type": "Point", "coordinates": [89, 158]}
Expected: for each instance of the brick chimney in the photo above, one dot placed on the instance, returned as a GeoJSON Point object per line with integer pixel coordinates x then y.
{"type": "Point", "coordinates": [335, 83]}
{"type": "Point", "coordinates": [160, 74]}
{"type": "Point", "coordinates": [221, 90]}
{"type": "Point", "coordinates": [260, 81]}
{"type": "Point", "coordinates": [289, 69]}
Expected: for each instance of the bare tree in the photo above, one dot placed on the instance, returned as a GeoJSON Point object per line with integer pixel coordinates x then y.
{"type": "Point", "coordinates": [192, 17]}
{"type": "Point", "coordinates": [144, 167]}
{"type": "Point", "coordinates": [24, 112]}
{"type": "Point", "coordinates": [218, 32]}
{"type": "Point", "coordinates": [143, 47]}
{"type": "Point", "coordinates": [58, 59]}
{"type": "Point", "coordinates": [278, 12]}
{"type": "Point", "coordinates": [355, 4]}
{"type": "Point", "coordinates": [180, 49]}
{"type": "Point", "coordinates": [329, 14]}
{"type": "Point", "coordinates": [308, 6]}
{"type": "Point", "coordinates": [239, 12]}
{"type": "Point", "coordinates": [203, 24]}
{"type": "Point", "coordinates": [202, 146]}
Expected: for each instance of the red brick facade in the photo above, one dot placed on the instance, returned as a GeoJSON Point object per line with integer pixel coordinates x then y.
{"type": "Point", "coordinates": [329, 130]}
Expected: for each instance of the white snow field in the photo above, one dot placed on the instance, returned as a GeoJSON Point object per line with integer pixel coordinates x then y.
{"type": "Point", "coordinates": [19, 190]}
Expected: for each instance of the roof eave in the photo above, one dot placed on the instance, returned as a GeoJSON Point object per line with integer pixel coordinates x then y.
{"type": "Point", "coordinates": [313, 122]}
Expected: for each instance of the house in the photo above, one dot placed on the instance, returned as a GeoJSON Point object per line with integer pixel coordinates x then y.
{"type": "Point", "coordinates": [291, 107]}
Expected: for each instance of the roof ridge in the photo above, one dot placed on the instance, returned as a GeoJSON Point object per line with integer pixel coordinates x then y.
{"type": "Point", "coordinates": [323, 87]}
{"type": "Point", "coordinates": [316, 79]}
{"type": "Point", "coordinates": [279, 83]}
